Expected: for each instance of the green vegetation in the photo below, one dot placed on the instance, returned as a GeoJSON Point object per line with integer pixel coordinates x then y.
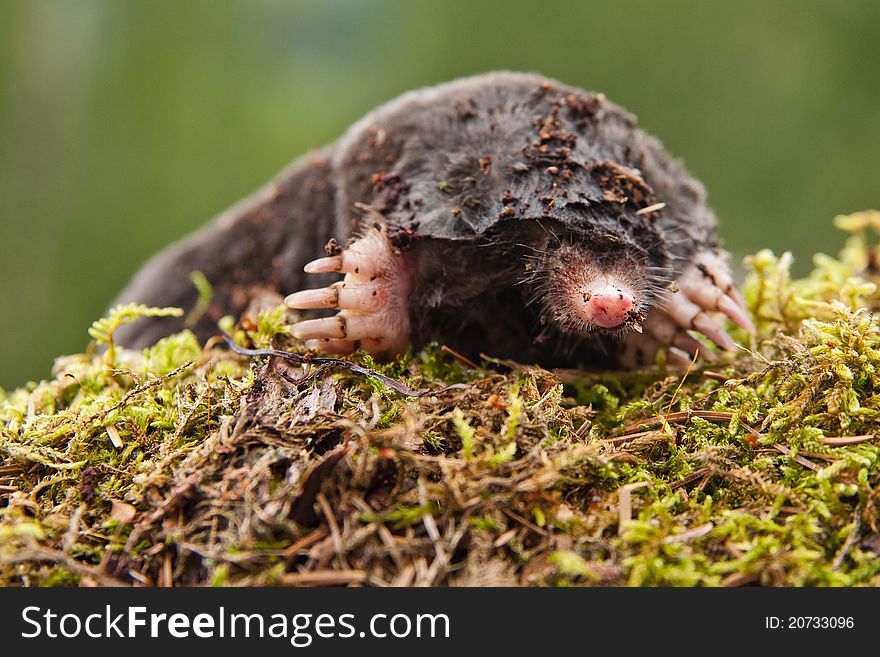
{"type": "Point", "coordinates": [127, 124]}
{"type": "Point", "coordinates": [188, 464]}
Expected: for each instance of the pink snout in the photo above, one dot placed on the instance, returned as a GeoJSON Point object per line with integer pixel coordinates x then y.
{"type": "Point", "coordinates": [608, 307]}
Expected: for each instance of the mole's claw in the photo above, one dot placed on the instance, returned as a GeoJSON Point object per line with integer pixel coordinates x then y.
{"type": "Point", "coordinates": [677, 358]}
{"type": "Point", "coordinates": [324, 265]}
{"type": "Point", "coordinates": [666, 331]}
{"type": "Point", "coordinates": [691, 345]}
{"type": "Point", "coordinates": [705, 325]}
{"type": "Point", "coordinates": [330, 346]}
{"type": "Point", "coordinates": [736, 312]}
{"type": "Point", "coordinates": [326, 327]}
{"type": "Point", "coordinates": [359, 258]}
{"type": "Point", "coordinates": [688, 316]}
{"type": "Point", "coordinates": [325, 297]}
{"type": "Point", "coordinates": [734, 293]}
{"type": "Point", "coordinates": [339, 295]}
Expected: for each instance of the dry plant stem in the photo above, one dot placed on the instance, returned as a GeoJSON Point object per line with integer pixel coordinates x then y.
{"type": "Point", "coordinates": [323, 362]}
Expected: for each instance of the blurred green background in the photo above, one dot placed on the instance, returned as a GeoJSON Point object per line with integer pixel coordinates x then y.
{"type": "Point", "coordinates": [124, 124]}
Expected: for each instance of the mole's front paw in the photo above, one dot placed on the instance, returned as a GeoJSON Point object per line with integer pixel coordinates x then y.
{"type": "Point", "coordinates": [704, 286]}
{"type": "Point", "coordinates": [372, 299]}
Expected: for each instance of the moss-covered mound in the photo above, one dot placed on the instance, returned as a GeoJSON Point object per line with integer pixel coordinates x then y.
{"type": "Point", "coordinates": [193, 465]}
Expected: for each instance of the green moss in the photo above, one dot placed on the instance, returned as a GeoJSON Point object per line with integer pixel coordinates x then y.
{"type": "Point", "coordinates": [59, 576]}
{"type": "Point", "coordinates": [189, 462]}
{"type": "Point", "coordinates": [270, 324]}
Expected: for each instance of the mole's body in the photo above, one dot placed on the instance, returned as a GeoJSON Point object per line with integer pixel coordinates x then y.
{"type": "Point", "coordinates": [503, 214]}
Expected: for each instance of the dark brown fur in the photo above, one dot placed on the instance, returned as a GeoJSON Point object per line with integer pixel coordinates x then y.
{"type": "Point", "coordinates": [480, 182]}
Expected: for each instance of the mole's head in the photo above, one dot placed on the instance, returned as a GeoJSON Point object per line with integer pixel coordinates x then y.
{"type": "Point", "coordinates": [596, 282]}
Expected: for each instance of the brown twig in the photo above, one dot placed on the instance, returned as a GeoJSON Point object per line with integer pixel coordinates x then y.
{"type": "Point", "coordinates": [518, 518]}
{"type": "Point", "coordinates": [317, 364]}
{"type": "Point", "coordinates": [683, 418]}
{"type": "Point", "coordinates": [837, 441]}
{"type": "Point", "coordinates": [798, 458]}
{"type": "Point", "coordinates": [691, 478]}
{"type": "Point", "coordinates": [324, 503]}
{"type": "Point", "coordinates": [464, 359]}
{"type": "Point", "coordinates": [324, 578]}
{"type": "Point", "coordinates": [167, 573]}
{"type": "Point", "coordinates": [306, 541]}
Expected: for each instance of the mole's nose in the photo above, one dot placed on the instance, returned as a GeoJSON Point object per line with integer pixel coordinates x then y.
{"type": "Point", "coordinates": [608, 306]}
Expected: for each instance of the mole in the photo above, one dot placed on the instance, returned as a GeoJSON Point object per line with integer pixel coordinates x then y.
{"type": "Point", "coordinates": [505, 214]}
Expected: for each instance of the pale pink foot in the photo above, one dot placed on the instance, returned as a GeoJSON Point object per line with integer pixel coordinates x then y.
{"type": "Point", "coordinates": [705, 286]}
{"type": "Point", "coordinates": [372, 299]}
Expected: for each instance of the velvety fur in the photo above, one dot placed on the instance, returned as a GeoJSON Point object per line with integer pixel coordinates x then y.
{"type": "Point", "coordinates": [480, 182]}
